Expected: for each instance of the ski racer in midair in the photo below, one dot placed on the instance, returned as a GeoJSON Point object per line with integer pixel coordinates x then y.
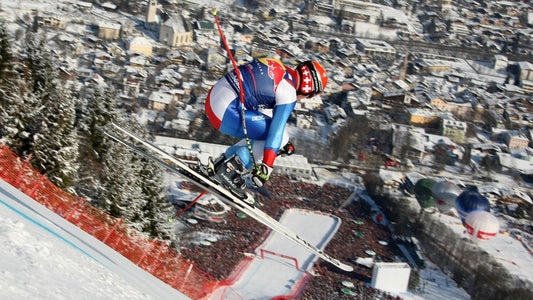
{"type": "Point", "coordinates": [271, 90]}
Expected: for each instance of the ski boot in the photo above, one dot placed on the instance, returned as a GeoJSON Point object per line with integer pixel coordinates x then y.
{"type": "Point", "coordinates": [228, 172]}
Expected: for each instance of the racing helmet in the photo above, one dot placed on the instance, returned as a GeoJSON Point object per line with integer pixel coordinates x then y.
{"type": "Point", "coordinates": [313, 78]}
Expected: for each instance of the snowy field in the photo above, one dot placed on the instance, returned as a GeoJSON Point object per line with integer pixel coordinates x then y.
{"type": "Point", "coordinates": [46, 257]}
{"type": "Point", "coordinates": [435, 285]}
{"type": "Point", "coordinates": [507, 250]}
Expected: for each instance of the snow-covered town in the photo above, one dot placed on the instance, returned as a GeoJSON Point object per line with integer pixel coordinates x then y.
{"type": "Point", "coordinates": [413, 166]}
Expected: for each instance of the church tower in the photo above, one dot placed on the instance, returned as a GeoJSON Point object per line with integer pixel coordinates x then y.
{"type": "Point", "coordinates": [403, 70]}
{"type": "Point", "coordinates": [151, 13]}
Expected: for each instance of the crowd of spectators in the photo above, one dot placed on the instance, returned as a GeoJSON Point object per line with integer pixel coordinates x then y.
{"type": "Point", "coordinates": [236, 236]}
{"type": "Point", "coordinates": [357, 234]}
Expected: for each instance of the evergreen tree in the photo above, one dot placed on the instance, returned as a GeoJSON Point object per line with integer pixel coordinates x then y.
{"type": "Point", "coordinates": [148, 207]}
{"type": "Point", "coordinates": [7, 102]}
{"type": "Point", "coordinates": [157, 208]}
{"type": "Point", "coordinates": [95, 109]}
{"type": "Point", "coordinates": [133, 212]}
{"type": "Point", "coordinates": [120, 192]}
{"type": "Point", "coordinates": [6, 56]}
{"type": "Point", "coordinates": [354, 132]}
{"type": "Point", "coordinates": [19, 106]}
{"type": "Point", "coordinates": [53, 140]}
{"type": "Point", "coordinates": [17, 117]}
{"type": "Point", "coordinates": [102, 108]}
{"type": "Point", "coordinates": [56, 140]}
{"type": "Point", "coordinates": [39, 66]}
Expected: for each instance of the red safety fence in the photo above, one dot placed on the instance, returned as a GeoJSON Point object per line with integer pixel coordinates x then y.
{"type": "Point", "coordinates": [156, 257]}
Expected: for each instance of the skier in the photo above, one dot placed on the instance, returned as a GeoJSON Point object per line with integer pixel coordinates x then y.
{"type": "Point", "coordinates": [271, 90]}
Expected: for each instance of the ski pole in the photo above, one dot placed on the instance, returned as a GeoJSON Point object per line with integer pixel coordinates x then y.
{"type": "Point", "coordinates": [241, 88]}
{"type": "Point", "coordinates": [186, 208]}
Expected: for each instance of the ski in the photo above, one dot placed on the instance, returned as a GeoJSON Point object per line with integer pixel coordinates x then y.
{"type": "Point", "coordinates": [244, 205]}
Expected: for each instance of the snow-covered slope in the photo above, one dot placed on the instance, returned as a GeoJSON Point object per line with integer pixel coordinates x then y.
{"type": "Point", "coordinates": [46, 257]}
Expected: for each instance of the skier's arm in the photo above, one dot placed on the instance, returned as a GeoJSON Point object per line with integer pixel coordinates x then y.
{"type": "Point", "coordinates": [273, 143]}
{"type": "Point", "coordinates": [285, 102]}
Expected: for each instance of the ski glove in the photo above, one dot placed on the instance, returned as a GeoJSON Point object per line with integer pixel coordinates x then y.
{"type": "Point", "coordinates": [261, 175]}
{"type": "Point", "coordinates": [288, 149]}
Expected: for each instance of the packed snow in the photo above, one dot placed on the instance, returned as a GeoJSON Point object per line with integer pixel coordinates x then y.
{"type": "Point", "coordinates": [46, 257]}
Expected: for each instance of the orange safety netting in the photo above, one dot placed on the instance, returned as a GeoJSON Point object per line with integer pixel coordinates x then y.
{"type": "Point", "coordinates": [156, 257]}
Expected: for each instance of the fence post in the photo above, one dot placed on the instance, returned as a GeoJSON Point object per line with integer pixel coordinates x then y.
{"type": "Point", "coordinates": [113, 229]}
{"type": "Point", "coordinates": [186, 277]}
{"type": "Point", "coordinates": [38, 184]}
{"type": "Point", "coordinates": [75, 209]}
{"type": "Point", "coordinates": [145, 253]}
{"type": "Point", "coordinates": [156, 260]}
{"type": "Point", "coordinates": [26, 163]}
{"type": "Point", "coordinates": [117, 241]}
{"type": "Point", "coordinates": [177, 276]}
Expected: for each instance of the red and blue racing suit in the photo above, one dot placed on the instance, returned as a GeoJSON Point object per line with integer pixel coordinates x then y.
{"type": "Point", "coordinates": [270, 97]}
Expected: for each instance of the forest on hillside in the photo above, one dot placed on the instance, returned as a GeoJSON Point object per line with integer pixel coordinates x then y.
{"type": "Point", "coordinates": [60, 124]}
